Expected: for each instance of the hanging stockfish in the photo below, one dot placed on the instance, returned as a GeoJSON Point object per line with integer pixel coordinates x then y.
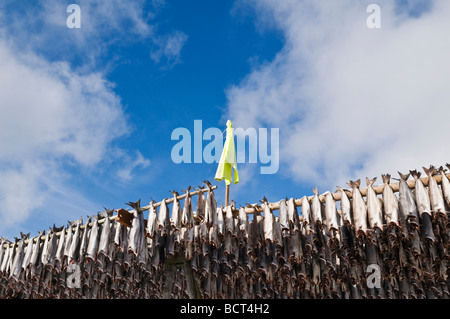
{"type": "Point", "coordinates": [346, 228]}
{"type": "Point", "coordinates": [27, 256]}
{"type": "Point", "coordinates": [175, 219]}
{"type": "Point", "coordinates": [75, 244]}
{"type": "Point", "coordinates": [18, 258]}
{"type": "Point", "coordinates": [408, 208]}
{"type": "Point", "coordinates": [220, 221]}
{"type": "Point", "coordinates": [84, 242]}
{"type": "Point", "coordinates": [243, 222]}
{"type": "Point", "coordinates": [345, 206]}
{"type": "Point", "coordinates": [316, 209]}
{"type": "Point", "coordinates": [200, 203]}
{"type": "Point", "coordinates": [210, 207]}
{"type": "Point", "coordinates": [92, 248]}
{"type": "Point", "coordinates": [187, 217]}
{"type": "Point", "coordinates": [136, 235]}
{"type": "Point", "coordinates": [284, 218]}
{"type": "Point", "coordinates": [390, 202]}
{"type": "Point", "coordinates": [306, 211]}
{"type": "Point", "coordinates": [104, 244]}
{"type": "Point", "coordinates": [36, 254]}
{"type": "Point", "coordinates": [374, 208]}
{"type": "Point", "coordinates": [68, 240]}
{"type": "Point", "coordinates": [423, 206]}
{"type": "Point", "coordinates": [359, 208]}
{"type": "Point", "coordinates": [59, 256]}
{"type": "Point", "coordinates": [48, 256]}
{"type": "Point", "coordinates": [163, 218]}
{"type": "Point", "coordinates": [229, 220]}
{"type": "Point", "coordinates": [421, 194]}
{"type": "Point", "coordinates": [445, 183]}
{"type": "Point", "coordinates": [331, 212]}
{"type": "Point", "coordinates": [152, 222]}
{"type": "Point", "coordinates": [435, 193]}
{"type": "Point", "coordinates": [307, 226]}
{"type": "Point", "coordinates": [293, 215]}
{"type": "Point", "coordinates": [268, 225]}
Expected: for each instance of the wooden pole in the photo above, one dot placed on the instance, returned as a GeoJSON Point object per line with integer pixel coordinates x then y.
{"type": "Point", "coordinates": [227, 195]}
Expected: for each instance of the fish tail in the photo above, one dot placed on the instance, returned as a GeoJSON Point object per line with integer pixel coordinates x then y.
{"type": "Point", "coordinates": [404, 176]}
{"type": "Point", "coordinates": [386, 178]}
{"type": "Point", "coordinates": [415, 174]}
{"type": "Point", "coordinates": [316, 191]}
{"type": "Point", "coordinates": [370, 182]}
{"type": "Point", "coordinates": [354, 184]}
{"type": "Point", "coordinates": [429, 171]}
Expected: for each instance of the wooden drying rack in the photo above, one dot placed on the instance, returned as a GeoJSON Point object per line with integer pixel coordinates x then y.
{"type": "Point", "coordinates": [125, 217]}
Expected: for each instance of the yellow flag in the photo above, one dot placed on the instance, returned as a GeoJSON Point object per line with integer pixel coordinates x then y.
{"type": "Point", "coordinates": [228, 159]}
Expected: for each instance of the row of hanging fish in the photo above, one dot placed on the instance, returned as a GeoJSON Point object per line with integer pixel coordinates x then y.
{"type": "Point", "coordinates": [382, 247]}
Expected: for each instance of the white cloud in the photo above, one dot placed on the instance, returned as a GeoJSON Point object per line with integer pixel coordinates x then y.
{"type": "Point", "coordinates": [125, 173]}
{"type": "Point", "coordinates": [104, 24]}
{"type": "Point", "coordinates": [351, 101]}
{"type": "Point", "coordinates": [169, 47]}
{"type": "Point", "coordinates": [50, 116]}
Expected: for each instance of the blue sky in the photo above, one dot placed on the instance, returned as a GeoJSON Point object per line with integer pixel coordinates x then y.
{"type": "Point", "coordinates": [88, 113]}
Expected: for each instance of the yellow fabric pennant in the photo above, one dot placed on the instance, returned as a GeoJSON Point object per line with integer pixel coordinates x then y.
{"type": "Point", "coordinates": [228, 159]}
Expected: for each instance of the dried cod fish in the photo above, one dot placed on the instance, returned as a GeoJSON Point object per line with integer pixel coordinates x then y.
{"type": "Point", "coordinates": [268, 221]}
{"type": "Point", "coordinates": [435, 193]}
{"type": "Point", "coordinates": [374, 209]}
{"type": "Point", "coordinates": [445, 184]}
{"type": "Point", "coordinates": [284, 218]}
{"type": "Point", "coordinates": [92, 248]}
{"type": "Point", "coordinates": [358, 207]}
{"type": "Point", "coordinates": [175, 219]}
{"type": "Point", "coordinates": [163, 218]}
{"type": "Point", "coordinates": [187, 217]}
{"type": "Point", "coordinates": [330, 212]}
{"type": "Point", "coordinates": [210, 207]}
{"type": "Point", "coordinates": [316, 208]}
{"type": "Point", "coordinates": [152, 222]}
{"type": "Point", "coordinates": [345, 206]}
{"type": "Point", "coordinates": [390, 202]}
{"type": "Point", "coordinates": [408, 209]}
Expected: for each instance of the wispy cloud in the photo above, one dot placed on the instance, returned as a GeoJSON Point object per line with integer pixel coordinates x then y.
{"type": "Point", "coordinates": [125, 173]}
{"type": "Point", "coordinates": [41, 26]}
{"type": "Point", "coordinates": [58, 112]}
{"type": "Point", "coordinates": [169, 47]}
{"type": "Point", "coordinates": [51, 117]}
{"type": "Point", "coordinates": [351, 101]}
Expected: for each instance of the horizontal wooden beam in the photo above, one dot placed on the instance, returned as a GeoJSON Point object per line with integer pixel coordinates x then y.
{"type": "Point", "coordinates": [337, 195]}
